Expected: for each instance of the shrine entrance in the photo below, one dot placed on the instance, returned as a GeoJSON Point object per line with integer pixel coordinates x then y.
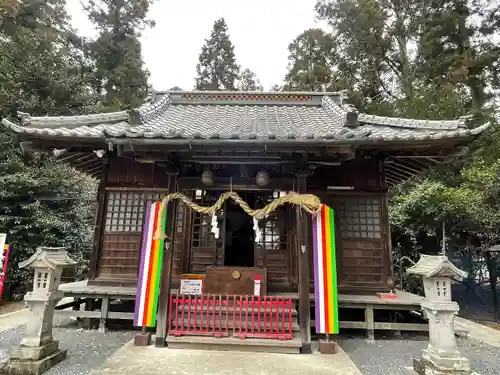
{"type": "Point", "coordinates": [239, 235]}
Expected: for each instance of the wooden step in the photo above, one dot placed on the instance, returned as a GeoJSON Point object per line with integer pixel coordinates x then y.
{"type": "Point", "coordinates": [235, 344]}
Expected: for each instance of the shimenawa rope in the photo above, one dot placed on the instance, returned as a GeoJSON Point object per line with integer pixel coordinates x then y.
{"type": "Point", "coordinates": [310, 203]}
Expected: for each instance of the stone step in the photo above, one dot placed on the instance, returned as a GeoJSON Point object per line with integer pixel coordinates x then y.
{"type": "Point", "coordinates": [235, 344]}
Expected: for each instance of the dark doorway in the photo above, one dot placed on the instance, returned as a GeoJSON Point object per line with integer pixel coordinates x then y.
{"type": "Point", "coordinates": [239, 249]}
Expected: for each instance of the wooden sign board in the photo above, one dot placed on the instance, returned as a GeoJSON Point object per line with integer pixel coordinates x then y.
{"type": "Point", "coordinates": [191, 284]}
{"type": "Point", "coordinates": [236, 280]}
{"type": "Point", "coordinates": [191, 287]}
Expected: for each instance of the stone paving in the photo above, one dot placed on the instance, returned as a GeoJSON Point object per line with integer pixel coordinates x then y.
{"type": "Point", "coordinates": [395, 356]}
{"type": "Point", "coordinates": [131, 360]}
{"type": "Point", "coordinates": [87, 349]}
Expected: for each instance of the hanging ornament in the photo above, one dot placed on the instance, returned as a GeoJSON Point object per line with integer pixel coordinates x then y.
{"type": "Point", "coordinates": [215, 226]}
{"type": "Point", "coordinates": [258, 233]}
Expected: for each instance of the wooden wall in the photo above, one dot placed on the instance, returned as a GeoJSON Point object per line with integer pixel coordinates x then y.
{"type": "Point", "coordinates": [362, 230]}
{"type": "Point", "coordinates": [129, 187]}
{"type": "Point", "coordinates": [361, 224]}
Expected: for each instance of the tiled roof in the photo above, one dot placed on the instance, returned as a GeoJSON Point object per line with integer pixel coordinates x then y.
{"type": "Point", "coordinates": [243, 116]}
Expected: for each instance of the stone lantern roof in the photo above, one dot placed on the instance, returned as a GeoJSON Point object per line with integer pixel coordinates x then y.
{"type": "Point", "coordinates": [51, 257]}
{"type": "Point", "coordinates": [436, 265]}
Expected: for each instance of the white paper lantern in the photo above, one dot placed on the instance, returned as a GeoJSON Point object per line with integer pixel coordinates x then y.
{"type": "Point", "coordinates": [207, 177]}
{"type": "Point", "coordinates": [262, 178]}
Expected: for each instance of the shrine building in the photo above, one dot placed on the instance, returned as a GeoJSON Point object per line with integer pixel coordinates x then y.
{"type": "Point", "coordinates": [260, 146]}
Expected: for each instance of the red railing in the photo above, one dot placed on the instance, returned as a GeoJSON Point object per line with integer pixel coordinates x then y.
{"type": "Point", "coordinates": [244, 316]}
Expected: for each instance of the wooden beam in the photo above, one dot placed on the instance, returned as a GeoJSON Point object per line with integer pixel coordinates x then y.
{"type": "Point", "coordinates": [225, 183]}
{"type": "Point", "coordinates": [83, 160]}
{"type": "Point", "coordinates": [166, 273]}
{"type": "Point", "coordinates": [397, 173]}
{"type": "Point", "coordinates": [303, 265]}
{"type": "Point", "coordinates": [405, 170]}
{"type": "Point", "coordinates": [419, 164]}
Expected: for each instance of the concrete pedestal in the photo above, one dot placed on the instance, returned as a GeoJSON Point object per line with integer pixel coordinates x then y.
{"type": "Point", "coordinates": [38, 350]}
{"type": "Point", "coordinates": [25, 360]}
{"type": "Point", "coordinates": [441, 356]}
{"type": "Point", "coordinates": [327, 347]}
{"type": "Point", "coordinates": [142, 339]}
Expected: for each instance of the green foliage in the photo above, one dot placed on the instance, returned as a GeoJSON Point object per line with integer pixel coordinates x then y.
{"type": "Point", "coordinates": [43, 71]}
{"type": "Point", "coordinates": [33, 212]}
{"type": "Point", "coordinates": [248, 81]}
{"type": "Point", "coordinates": [432, 60]}
{"type": "Point", "coordinates": [119, 72]}
{"type": "Point", "coordinates": [217, 68]}
{"type": "Point", "coordinates": [310, 61]}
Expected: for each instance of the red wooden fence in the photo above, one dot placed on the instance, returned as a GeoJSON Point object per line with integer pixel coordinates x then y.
{"type": "Point", "coordinates": [4, 261]}
{"type": "Point", "coordinates": [244, 316]}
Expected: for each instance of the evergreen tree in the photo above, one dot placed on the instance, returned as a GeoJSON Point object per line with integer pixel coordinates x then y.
{"type": "Point", "coordinates": [42, 67]}
{"type": "Point", "coordinates": [217, 68]}
{"type": "Point", "coordinates": [310, 61]}
{"type": "Point", "coordinates": [42, 71]}
{"type": "Point", "coordinates": [120, 75]}
{"type": "Point", "coordinates": [458, 46]}
{"type": "Point", "coordinates": [376, 36]}
{"type": "Point", "coordinates": [248, 81]}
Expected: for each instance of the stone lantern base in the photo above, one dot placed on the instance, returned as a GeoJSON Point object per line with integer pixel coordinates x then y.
{"type": "Point", "coordinates": [27, 360]}
{"type": "Point", "coordinates": [432, 364]}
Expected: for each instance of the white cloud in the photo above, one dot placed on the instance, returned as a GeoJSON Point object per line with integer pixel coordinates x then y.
{"type": "Point", "coordinates": [260, 30]}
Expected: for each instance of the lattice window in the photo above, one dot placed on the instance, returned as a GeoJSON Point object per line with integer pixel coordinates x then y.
{"type": "Point", "coordinates": [274, 227]}
{"type": "Point", "coordinates": [125, 210]}
{"type": "Point", "coordinates": [42, 278]}
{"type": "Point", "coordinates": [202, 235]}
{"type": "Point", "coordinates": [359, 218]}
{"type": "Point", "coordinates": [179, 220]}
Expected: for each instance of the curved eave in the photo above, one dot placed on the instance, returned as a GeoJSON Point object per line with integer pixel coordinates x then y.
{"type": "Point", "coordinates": [408, 123]}
{"type": "Point", "coordinates": [70, 122]}
{"type": "Point", "coordinates": [123, 133]}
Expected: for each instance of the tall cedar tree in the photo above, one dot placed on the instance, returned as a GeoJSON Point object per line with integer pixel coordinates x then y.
{"type": "Point", "coordinates": [217, 68]}
{"type": "Point", "coordinates": [120, 75]}
{"type": "Point", "coordinates": [42, 71]}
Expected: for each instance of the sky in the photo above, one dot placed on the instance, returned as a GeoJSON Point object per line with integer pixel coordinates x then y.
{"type": "Point", "coordinates": [260, 30]}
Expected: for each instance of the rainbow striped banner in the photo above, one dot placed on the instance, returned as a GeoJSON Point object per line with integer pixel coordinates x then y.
{"type": "Point", "coordinates": [148, 285]}
{"type": "Point", "coordinates": [325, 271]}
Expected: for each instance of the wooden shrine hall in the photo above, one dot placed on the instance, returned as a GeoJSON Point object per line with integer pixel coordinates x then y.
{"type": "Point", "coordinates": [230, 286]}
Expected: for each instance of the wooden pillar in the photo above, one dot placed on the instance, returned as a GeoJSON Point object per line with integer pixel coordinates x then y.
{"type": "Point", "coordinates": [99, 219]}
{"type": "Point", "coordinates": [303, 265]}
{"type": "Point", "coordinates": [166, 273]}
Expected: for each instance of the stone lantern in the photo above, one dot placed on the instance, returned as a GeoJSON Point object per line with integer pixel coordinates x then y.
{"type": "Point", "coordinates": [441, 356]}
{"type": "Point", "coordinates": [38, 351]}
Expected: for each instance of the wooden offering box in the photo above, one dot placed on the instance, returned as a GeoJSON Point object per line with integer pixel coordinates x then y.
{"type": "Point", "coordinates": [235, 280]}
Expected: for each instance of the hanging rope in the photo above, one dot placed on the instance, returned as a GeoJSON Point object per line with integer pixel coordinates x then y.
{"type": "Point", "coordinates": [308, 202]}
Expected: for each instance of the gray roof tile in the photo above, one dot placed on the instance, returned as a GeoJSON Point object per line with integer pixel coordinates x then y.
{"type": "Point", "coordinates": [231, 115]}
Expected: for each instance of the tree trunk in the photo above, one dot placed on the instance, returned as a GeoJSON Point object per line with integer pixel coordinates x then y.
{"type": "Point", "coordinates": [491, 261]}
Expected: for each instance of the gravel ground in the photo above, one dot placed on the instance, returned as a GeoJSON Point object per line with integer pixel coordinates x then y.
{"type": "Point", "coordinates": [86, 349]}
{"type": "Point", "coordinates": [394, 356]}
